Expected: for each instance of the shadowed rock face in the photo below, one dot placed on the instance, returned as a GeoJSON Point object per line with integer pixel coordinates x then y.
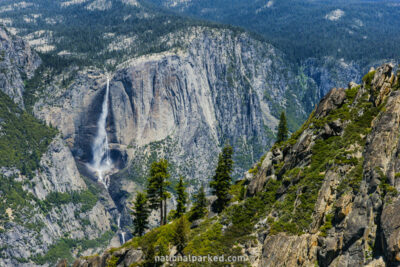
{"type": "Point", "coordinates": [87, 130]}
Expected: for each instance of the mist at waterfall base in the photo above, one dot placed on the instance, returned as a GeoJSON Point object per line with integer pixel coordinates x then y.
{"type": "Point", "coordinates": [101, 163]}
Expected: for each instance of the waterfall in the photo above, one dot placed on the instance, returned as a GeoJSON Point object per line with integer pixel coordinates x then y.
{"type": "Point", "coordinates": [122, 233]}
{"type": "Point", "coordinates": [101, 162]}
{"type": "Point", "coordinates": [123, 237]}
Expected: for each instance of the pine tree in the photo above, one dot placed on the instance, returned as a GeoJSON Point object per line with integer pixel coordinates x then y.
{"type": "Point", "coordinates": [222, 179]}
{"type": "Point", "coordinates": [140, 214]}
{"type": "Point", "coordinates": [282, 129]}
{"type": "Point", "coordinates": [181, 234]}
{"type": "Point", "coordinates": [199, 206]}
{"type": "Point", "coordinates": [157, 188]}
{"type": "Point", "coordinates": [182, 198]}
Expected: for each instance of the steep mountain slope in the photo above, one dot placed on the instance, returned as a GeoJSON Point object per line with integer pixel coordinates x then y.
{"type": "Point", "coordinates": [47, 208]}
{"type": "Point", "coordinates": [328, 196]}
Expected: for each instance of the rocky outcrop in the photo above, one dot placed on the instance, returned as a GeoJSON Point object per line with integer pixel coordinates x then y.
{"type": "Point", "coordinates": [333, 100]}
{"type": "Point", "coordinates": [57, 162]}
{"type": "Point", "coordinates": [120, 258]}
{"type": "Point", "coordinates": [381, 84]}
{"type": "Point", "coordinates": [17, 62]}
{"type": "Point", "coordinates": [289, 250]}
{"type": "Point", "coordinates": [354, 218]}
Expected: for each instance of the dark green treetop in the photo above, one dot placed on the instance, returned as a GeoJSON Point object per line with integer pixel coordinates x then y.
{"type": "Point", "coordinates": [199, 208]}
{"type": "Point", "coordinates": [282, 129]}
{"type": "Point", "coordinates": [182, 198]}
{"type": "Point", "coordinates": [222, 179]}
{"type": "Point", "coordinates": [140, 213]}
{"type": "Point", "coordinates": [157, 193]}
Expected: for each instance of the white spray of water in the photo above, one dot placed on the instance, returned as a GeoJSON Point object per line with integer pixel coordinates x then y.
{"type": "Point", "coordinates": [119, 227]}
{"type": "Point", "coordinates": [119, 221]}
{"type": "Point", "coordinates": [101, 162]}
{"type": "Point", "coordinates": [123, 237]}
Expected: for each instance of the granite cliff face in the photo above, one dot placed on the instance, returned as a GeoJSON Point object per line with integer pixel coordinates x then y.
{"type": "Point", "coordinates": [209, 93]}
{"type": "Point", "coordinates": [328, 196]}
{"type": "Point", "coordinates": [17, 62]}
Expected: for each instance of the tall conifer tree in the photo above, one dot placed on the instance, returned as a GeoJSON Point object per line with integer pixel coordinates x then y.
{"type": "Point", "coordinates": [157, 188]}
{"type": "Point", "coordinates": [199, 206]}
{"type": "Point", "coordinates": [140, 214]}
{"type": "Point", "coordinates": [182, 198]}
{"type": "Point", "coordinates": [282, 129]}
{"type": "Point", "coordinates": [181, 234]}
{"type": "Point", "coordinates": [222, 179]}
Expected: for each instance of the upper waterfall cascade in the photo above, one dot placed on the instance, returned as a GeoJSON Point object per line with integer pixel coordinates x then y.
{"type": "Point", "coordinates": [101, 162]}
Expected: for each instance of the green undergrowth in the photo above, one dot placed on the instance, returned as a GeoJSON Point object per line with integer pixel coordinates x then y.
{"type": "Point", "coordinates": [86, 198]}
{"type": "Point", "coordinates": [295, 208]}
{"type": "Point", "coordinates": [327, 225]}
{"type": "Point", "coordinates": [352, 181]}
{"type": "Point", "coordinates": [23, 138]}
{"type": "Point", "coordinates": [238, 191]}
{"type": "Point", "coordinates": [367, 79]}
{"type": "Point", "coordinates": [220, 235]}
{"type": "Point", "coordinates": [257, 167]}
{"type": "Point", "coordinates": [14, 197]}
{"type": "Point", "coordinates": [385, 187]}
{"type": "Point", "coordinates": [62, 249]}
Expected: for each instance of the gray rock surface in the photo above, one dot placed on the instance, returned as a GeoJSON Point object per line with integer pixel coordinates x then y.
{"type": "Point", "coordinates": [17, 62]}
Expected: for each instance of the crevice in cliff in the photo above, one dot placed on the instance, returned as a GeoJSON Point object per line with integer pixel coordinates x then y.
{"type": "Point", "coordinates": [380, 246]}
